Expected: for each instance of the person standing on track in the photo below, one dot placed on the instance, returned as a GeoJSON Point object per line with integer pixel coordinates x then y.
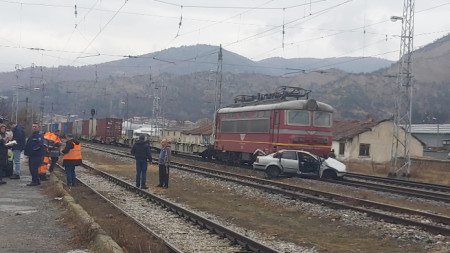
{"type": "Point", "coordinates": [72, 158]}
{"type": "Point", "coordinates": [35, 149]}
{"type": "Point", "coordinates": [164, 163]}
{"type": "Point", "coordinates": [141, 152]}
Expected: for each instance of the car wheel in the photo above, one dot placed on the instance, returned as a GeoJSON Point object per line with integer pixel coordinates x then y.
{"type": "Point", "coordinates": [329, 174]}
{"type": "Point", "coordinates": [273, 171]}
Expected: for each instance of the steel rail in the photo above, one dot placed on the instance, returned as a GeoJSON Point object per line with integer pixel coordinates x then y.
{"type": "Point", "coordinates": [349, 202]}
{"type": "Point", "coordinates": [235, 237]}
{"type": "Point", "coordinates": [172, 248]}
{"type": "Point", "coordinates": [434, 192]}
{"type": "Point", "coordinates": [437, 196]}
{"type": "Point", "coordinates": [433, 187]}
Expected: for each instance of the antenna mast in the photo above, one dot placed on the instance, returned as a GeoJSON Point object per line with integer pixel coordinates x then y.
{"type": "Point", "coordinates": [403, 101]}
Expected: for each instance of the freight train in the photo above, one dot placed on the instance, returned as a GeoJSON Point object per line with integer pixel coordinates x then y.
{"type": "Point", "coordinates": [253, 125]}
{"type": "Point", "coordinates": [102, 130]}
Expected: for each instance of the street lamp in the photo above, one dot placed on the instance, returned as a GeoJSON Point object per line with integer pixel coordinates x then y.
{"type": "Point", "coordinates": [395, 18]}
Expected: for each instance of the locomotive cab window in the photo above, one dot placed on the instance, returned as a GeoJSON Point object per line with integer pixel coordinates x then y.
{"type": "Point", "coordinates": [322, 119]}
{"type": "Point", "coordinates": [298, 118]}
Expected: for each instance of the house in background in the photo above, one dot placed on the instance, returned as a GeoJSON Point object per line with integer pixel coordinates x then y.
{"type": "Point", "coordinates": [199, 136]}
{"type": "Point", "coordinates": [368, 141]}
{"type": "Point", "coordinates": [433, 135]}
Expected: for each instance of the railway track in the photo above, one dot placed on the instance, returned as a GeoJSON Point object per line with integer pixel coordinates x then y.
{"type": "Point", "coordinates": [400, 182]}
{"type": "Point", "coordinates": [434, 223]}
{"type": "Point", "coordinates": [395, 186]}
{"type": "Point", "coordinates": [195, 223]}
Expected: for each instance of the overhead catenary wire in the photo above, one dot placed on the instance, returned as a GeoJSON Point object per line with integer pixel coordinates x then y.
{"type": "Point", "coordinates": [103, 53]}
{"type": "Point", "coordinates": [101, 30]}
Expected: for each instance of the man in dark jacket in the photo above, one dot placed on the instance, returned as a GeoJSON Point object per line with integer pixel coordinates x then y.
{"type": "Point", "coordinates": [72, 158]}
{"type": "Point", "coordinates": [19, 137]}
{"type": "Point", "coordinates": [35, 149]}
{"type": "Point", "coordinates": [141, 152]}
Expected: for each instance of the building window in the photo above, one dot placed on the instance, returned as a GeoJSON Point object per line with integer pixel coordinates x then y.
{"type": "Point", "coordinates": [364, 149]}
{"type": "Point", "coordinates": [341, 148]}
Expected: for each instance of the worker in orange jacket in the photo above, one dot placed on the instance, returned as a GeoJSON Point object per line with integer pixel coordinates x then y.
{"type": "Point", "coordinates": [51, 142]}
{"type": "Point", "coordinates": [72, 158]}
{"type": "Point", "coordinates": [55, 150]}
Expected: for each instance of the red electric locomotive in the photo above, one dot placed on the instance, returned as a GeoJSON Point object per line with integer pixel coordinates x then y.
{"type": "Point", "coordinates": [267, 123]}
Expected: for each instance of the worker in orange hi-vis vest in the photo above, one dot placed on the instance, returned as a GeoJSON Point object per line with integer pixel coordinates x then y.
{"type": "Point", "coordinates": [49, 142]}
{"type": "Point", "coordinates": [72, 158]}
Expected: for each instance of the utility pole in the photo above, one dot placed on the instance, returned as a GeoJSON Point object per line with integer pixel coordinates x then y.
{"type": "Point", "coordinates": [219, 79]}
{"type": "Point", "coordinates": [218, 92]}
{"type": "Point", "coordinates": [403, 100]}
{"type": "Point", "coordinates": [51, 120]}
{"type": "Point", "coordinates": [163, 101]}
{"type": "Point", "coordinates": [29, 94]}
{"type": "Point", "coordinates": [41, 121]}
{"type": "Point", "coordinates": [155, 112]}
{"type": "Point", "coordinates": [16, 97]}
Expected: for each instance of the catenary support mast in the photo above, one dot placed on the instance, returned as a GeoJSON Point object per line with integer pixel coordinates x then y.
{"type": "Point", "coordinates": [218, 90]}
{"type": "Point", "coordinates": [400, 158]}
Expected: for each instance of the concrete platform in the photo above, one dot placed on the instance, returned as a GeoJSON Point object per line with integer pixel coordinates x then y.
{"type": "Point", "coordinates": [29, 220]}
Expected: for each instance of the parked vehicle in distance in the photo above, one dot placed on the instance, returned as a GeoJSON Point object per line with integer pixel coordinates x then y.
{"type": "Point", "coordinates": [295, 162]}
{"type": "Point", "coordinates": [448, 156]}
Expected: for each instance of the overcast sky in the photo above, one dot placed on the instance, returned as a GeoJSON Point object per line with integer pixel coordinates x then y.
{"type": "Point", "coordinates": [53, 32]}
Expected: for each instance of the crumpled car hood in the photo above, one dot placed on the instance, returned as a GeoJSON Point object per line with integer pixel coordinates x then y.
{"type": "Point", "coordinates": [335, 164]}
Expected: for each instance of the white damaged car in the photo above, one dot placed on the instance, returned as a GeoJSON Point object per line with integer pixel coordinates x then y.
{"type": "Point", "coordinates": [303, 163]}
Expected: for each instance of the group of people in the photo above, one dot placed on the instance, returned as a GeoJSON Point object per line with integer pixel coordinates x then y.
{"type": "Point", "coordinates": [141, 152]}
{"type": "Point", "coordinates": [39, 148]}
{"type": "Point", "coordinates": [43, 149]}
{"type": "Point", "coordinates": [13, 138]}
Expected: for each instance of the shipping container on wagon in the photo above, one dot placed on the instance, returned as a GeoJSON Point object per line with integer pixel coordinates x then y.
{"type": "Point", "coordinates": [61, 127]}
{"type": "Point", "coordinates": [108, 130]}
{"type": "Point", "coordinates": [77, 127]}
{"type": "Point", "coordinates": [93, 128]}
{"type": "Point", "coordinates": [70, 127]}
{"type": "Point", "coordinates": [85, 129]}
{"type": "Point", "coordinates": [88, 127]}
{"type": "Point", "coordinates": [65, 128]}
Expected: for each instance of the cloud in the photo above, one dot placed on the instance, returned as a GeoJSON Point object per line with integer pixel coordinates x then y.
{"type": "Point", "coordinates": [254, 29]}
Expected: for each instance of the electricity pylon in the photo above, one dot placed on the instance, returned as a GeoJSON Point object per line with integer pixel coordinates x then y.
{"type": "Point", "coordinates": [403, 95]}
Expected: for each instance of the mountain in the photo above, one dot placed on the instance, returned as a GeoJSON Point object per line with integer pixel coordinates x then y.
{"type": "Point", "coordinates": [128, 86]}
{"type": "Point", "coordinates": [190, 59]}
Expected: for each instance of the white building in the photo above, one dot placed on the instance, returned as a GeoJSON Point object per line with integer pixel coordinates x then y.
{"type": "Point", "coordinates": [368, 141]}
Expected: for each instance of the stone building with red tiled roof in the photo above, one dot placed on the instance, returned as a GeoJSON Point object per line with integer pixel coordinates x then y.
{"type": "Point", "coordinates": [200, 135]}
{"type": "Point", "coordinates": [368, 141]}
